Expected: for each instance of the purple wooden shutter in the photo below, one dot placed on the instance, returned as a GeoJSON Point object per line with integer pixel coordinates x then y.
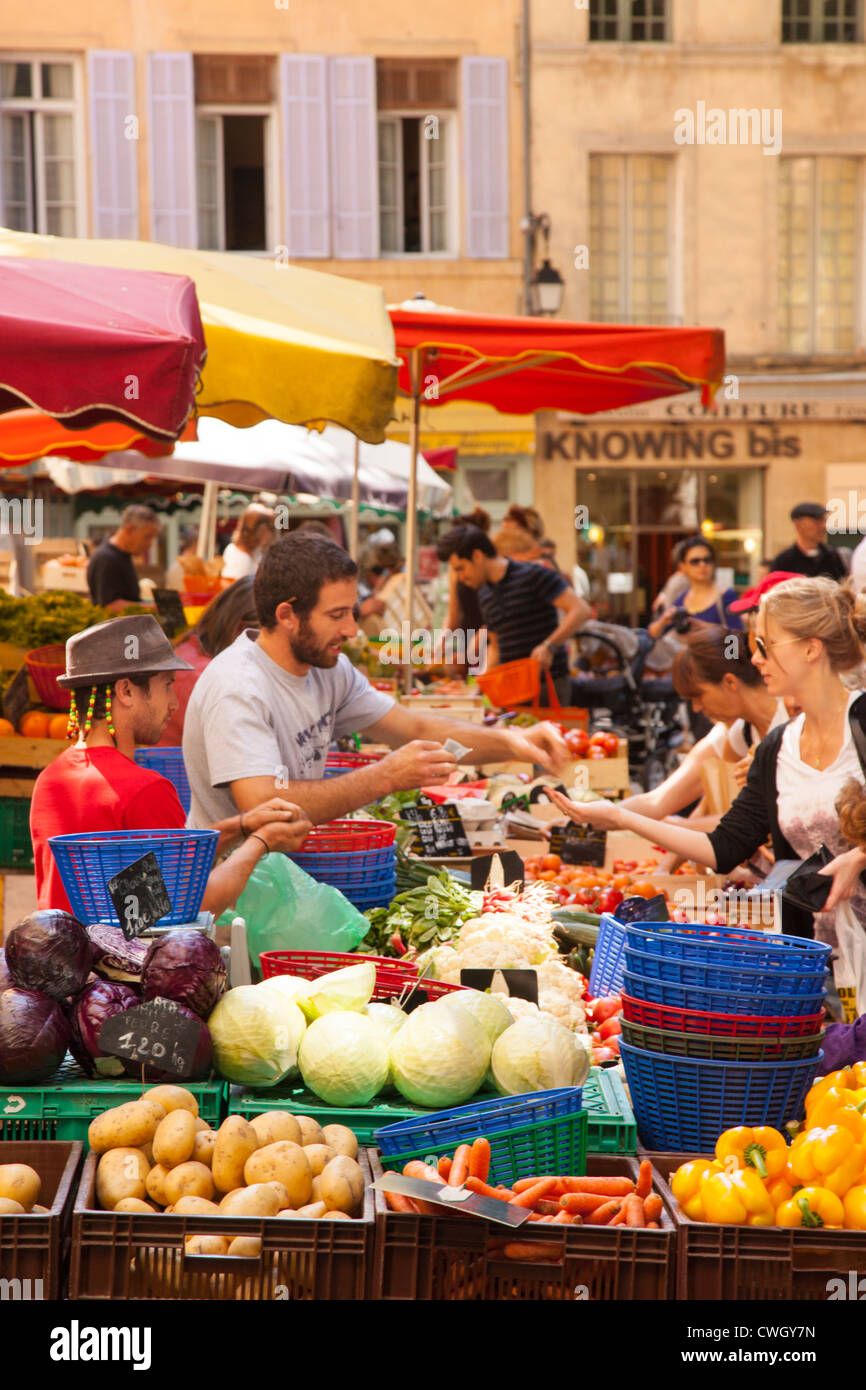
{"type": "Point", "coordinates": [304, 83]}
{"type": "Point", "coordinates": [485, 157]}
{"type": "Point", "coordinates": [113, 150]}
{"type": "Point", "coordinates": [354, 158]}
{"type": "Point", "coordinates": [171, 139]}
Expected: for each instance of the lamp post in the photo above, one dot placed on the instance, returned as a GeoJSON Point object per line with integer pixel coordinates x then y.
{"type": "Point", "coordinates": [545, 289]}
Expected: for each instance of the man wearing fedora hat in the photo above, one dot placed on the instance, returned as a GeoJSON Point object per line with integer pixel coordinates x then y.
{"type": "Point", "coordinates": [121, 674]}
{"type": "Point", "coordinates": [809, 555]}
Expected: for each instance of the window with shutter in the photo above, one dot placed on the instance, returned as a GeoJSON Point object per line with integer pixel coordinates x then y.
{"type": "Point", "coordinates": [172, 149]}
{"type": "Point", "coordinates": [306, 163]}
{"type": "Point", "coordinates": [113, 144]}
{"type": "Point", "coordinates": [353, 158]}
{"type": "Point", "coordinates": [38, 167]}
{"type": "Point", "coordinates": [485, 157]}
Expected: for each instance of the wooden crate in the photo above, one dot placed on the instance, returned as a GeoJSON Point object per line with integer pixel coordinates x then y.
{"type": "Point", "coordinates": [22, 760]}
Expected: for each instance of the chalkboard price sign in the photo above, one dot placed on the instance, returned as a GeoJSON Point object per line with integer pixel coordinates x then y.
{"type": "Point", "coordinates": [439, 832]}
{"type": "Point", "coordinates": [169, 609]}
{"type": "Point", "coordinates": [578, 844]}
{"type": "Point", "coordinates": [156, 1033]}
{"type": "Point", "coordinates": [139, 895]}
{"type": "Point", "coordinates": [16, 698]}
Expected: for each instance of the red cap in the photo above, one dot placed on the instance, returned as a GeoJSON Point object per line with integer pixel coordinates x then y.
{"type": "Point", "coordinates": [752, 597]}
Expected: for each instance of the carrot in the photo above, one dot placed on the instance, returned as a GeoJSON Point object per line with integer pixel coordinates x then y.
{"type": "Point", "coordinates": [562, 1218]}
{"type": "Point", "coordinates": [602, 1215]}
{"type": "Point", "coordinates": [583, 1202]}
{"type": "Point", "coordinates": [444, 1166]}
{"type": "Point", "coordinates": [619, 1219]}
{"type": "Point", "coordinates": [479, 1159]}
{"type": "Point", "coordinates": [483, 1189]}
{"type": "Point", "coordinates": [547, 1207]}
{"type": "Point", "coordinates": [460, 1167]}
{"type": "Point", "coordinates": [633, 1209]}
{"type": "Point", "coordinates": [545, 1220]}
{"type": "Point", "coordinates": [524, 1184]}
{"type": "Point", "coordinates": [652, 1207]}
{"type": "Point", "coordinates": [417, 1169]}
{"type": "Point", "coordinates": [396, 1200]}
{"type": "Point", "coordinates": [602, 1187]}
{"type": "Point", "coordinates": [645, 1179]}
{"type": "Point", "coordinates": [532, 1194]}
{"type": "Point", "coordinates": [527, 1250]}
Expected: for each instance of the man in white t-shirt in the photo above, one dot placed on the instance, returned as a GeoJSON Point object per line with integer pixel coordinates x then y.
{"type": "Point", "coordinates": [263, 713]}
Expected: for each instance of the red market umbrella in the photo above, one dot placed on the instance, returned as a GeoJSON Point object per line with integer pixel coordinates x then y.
{"type": "Point", "coordinates": [28, 435]}
{"type": "Point", "coordinates": [87, 344]}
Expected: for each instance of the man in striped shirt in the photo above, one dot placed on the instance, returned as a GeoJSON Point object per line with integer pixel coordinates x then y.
{"type": "Point", "coordinates": [529, 610]}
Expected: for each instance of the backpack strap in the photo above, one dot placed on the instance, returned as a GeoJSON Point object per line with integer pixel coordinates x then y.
{"type": "Point", "coordinates": [858, 733]}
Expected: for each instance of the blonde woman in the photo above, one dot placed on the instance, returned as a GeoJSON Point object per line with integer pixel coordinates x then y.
{"type": "Point", "coordinates": [807, 633]}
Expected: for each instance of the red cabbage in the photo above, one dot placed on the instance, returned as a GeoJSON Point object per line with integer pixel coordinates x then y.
{"type": "Point", "coordinates": [34, 1036]}
{"type": "Point", "coordinates": [89, 1010]}
{"type": "Point", "coordinates": [49, 951]}
{"type": "Point", "coordinates": [185, 966]}
{"type": "Point", "coordinates": [202, 1062]}
{"type": "Point", "coordinates": [6, 980]}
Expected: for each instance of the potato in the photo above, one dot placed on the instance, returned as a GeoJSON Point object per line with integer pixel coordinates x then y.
{"type": "Point", "coordinates": [36, 1210]}
{"type": "Point", "coordinates": [311, 1130]}
{"type": "Point", "coordinates": [155, 1184]}
{"type": "Point", "coordinates": [172, 1098]}
{"type": "Point", "coordinates": [120, 1173]}
{"type": "Point", "coordinates": [147, 1150]}
{"type": "Point", "coordinates": [125, 1126]}
{"type": "Point", "coordinates": [203, 1149]}
{"type": "Point", "coordinates": [158, 1110]}
{"type": "Point", "coordinates": [284, 1163]}
{"type": "Point", "coordinates": [134, 1204]}
{"type": "Point", "coordinates": [341, 1140]}
{"type": "Point", "coordinates": [188, 1180]}
{"type": "Point", "coordinates": [260, 1199]}
{"type": "Point", "coordinates": [341, 1184]}
{"type": "Point", "coordinates": [236, 1141]}
{"type": "Point", "coordinates": [206, 1245]}
{"type": "Point", "coordinates": [275, 1125]}
{"type": "Point", "coordinates": [249, 1247]}
{"type": "Point", "coordinates": [336, 1216]}
{"type": "Point", "coordinates": [202, 1125]}
{"type": "Point", "coordinates": [316, 1194]}
{"type": "Point", "coordinates": [317, 1155]}
{"type": "Point", "coordinates": [313, 1209]}
{"type": "Point", "coordinates": [174, 1140]}
{"type": "Point", "coordinates": [8, 1207]}
{"type": "Point", "coordinates": [195, 1206]}
{"type": "Point", "coordinates": [20, 1183]}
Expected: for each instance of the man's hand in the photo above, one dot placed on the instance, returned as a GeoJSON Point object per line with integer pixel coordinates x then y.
{"type": "Point", "coordinates": [287, 836]}
{"type": "Point", "coordinates": [543, 655]}
{"type": "Point", "coordinates": [604, 815]}
{"type": "Point", "coordinates": [845, 871]}
{"type": "Point", "coordinates": [420, 763]}
{"type": "Point", "coordinates": [277, 809]}
{"type": "Point", "coordinates": [541, 744]}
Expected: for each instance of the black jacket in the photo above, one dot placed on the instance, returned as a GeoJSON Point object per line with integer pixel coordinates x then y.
{"type": "Point", "coordinates": [754, 817]}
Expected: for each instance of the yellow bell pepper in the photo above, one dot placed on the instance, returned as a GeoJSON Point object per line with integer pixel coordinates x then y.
{"type": "Point", "coordinates": [829, 1158]}
{"type": "Point", "coordinates": [834, 1080]}
{"type": "Point", "coordinates": [858, 1073]}
{"type": "Point", "coordinates": [854, 1203]}
{"type": "Point", "coordinates": [839, 1106]}
{"type": "Point", "coordinates": [763, 1149]}
{"type": "Point", "coordinates": [781, 1189]}
{"type": "Point", "coordinates": [737, 1199]}
{"type": "Point", "coordinates": [812, 1207]}
{"type": "Point", "coordinates": [686, 1184]}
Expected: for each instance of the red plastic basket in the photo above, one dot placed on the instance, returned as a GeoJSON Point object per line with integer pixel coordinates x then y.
{"type": "Point", "coordinates": [44, 665]}
{"type": "Point", "coordinates": [663, 1016]}
{"type": "Point", "coordinates": [348, 837]}
{"type": "Point", "coordinates": [392, 976]}
{"type": "Point", "coordinates": [346, 762]}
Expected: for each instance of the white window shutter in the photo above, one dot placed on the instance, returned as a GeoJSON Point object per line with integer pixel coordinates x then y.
{"type": "Point", "coordinates": [354, 173]}
{"type": "Point", "coordinates": [485, 157]}
{"type": "Point", "coordinates": [113, 143]}
{"type": "Point", "coordinates": [304, 84]}
{"type": "Point", "coordinates": [171, 139]}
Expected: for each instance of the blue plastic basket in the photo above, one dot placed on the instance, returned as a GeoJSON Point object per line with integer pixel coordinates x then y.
{"type": "Point", "coordinates": [467, 1122]}
{"type": "Point", "coordinates": [605, 976]}
{"type": "Point", "coordinates": [719, 975]}
{"type": "Point", "coordinates": [732, 947]}
{"type": "Point", "coordinates": [348, 862]}
{"type": "Point", "coordinates": [683, 1104]}
{"type": "Point", "coordinates": [713, 1001]}
{"type": "Point", "coordinates": [86, 863]}
{"type": "Point", "coordinates": [382, 897]}
{"type": "Point", "coordinates": [169, 763]}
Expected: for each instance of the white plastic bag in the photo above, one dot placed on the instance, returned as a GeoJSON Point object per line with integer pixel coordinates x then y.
{"type": "Point", "coordinates": [849, 963]}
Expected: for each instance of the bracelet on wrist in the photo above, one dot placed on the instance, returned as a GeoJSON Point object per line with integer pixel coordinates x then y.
{"type": "Point", "coordinates": [262, 840]}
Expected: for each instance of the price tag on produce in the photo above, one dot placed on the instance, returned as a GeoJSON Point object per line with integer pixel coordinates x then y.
{"type": "Point", "coordinates": [519, 984]}
{"type": "Point", "coordinates": [439, 832]}
{"type": "Point", "coordinates": [512, 868]}
{"type": "Point", "coordinates": [139, 895]}
{"type": "Point", "coordinates": [156, 1032]}
{"type": "Point", "coordinates": [579, 844]}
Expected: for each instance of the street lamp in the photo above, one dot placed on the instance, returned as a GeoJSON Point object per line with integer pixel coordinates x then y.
{"type": "Point", "coordinates": [546, 287]}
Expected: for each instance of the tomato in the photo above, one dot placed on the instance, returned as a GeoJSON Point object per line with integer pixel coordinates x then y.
{"type": "Point", "coordinates": [610, 900]}
{"type": "Point", "coordinates": [552, 861]}
{"type": "Point", "coordinates": [577, 743]}
{"type": "Point", "coordinates": [610, 1028]}
{"type": "Point", "coordinates": [563, 896]}
{"type": "Point", "coordinates": [610, 744]}
{"type": "Point", "coordinates": [547, 875]}
{"type": "Point", "coordinates": [603, 1054]}
{"type": "Point", "coordinates": [585, 895]}
{"type": "Point", "coordinates": [596, 751]}
{"type": "Point", "coordinates": [644, 890]}
{"type": "Point", "coordinates": [612, 1044]}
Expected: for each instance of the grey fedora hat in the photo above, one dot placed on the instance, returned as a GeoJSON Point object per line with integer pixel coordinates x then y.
{"type": "Point", "coordinates": [134, 646]}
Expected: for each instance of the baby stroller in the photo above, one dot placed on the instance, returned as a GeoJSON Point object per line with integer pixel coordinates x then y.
{"type": "Point", "coordinates": [646, 712]}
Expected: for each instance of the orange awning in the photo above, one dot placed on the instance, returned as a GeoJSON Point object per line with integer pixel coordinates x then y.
{"type": "Point", "coordinates": [28, 435]}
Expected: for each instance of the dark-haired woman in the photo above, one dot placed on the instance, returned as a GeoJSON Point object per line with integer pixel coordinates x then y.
{"type": "Point", "coordinates": [703, 600]}
{"type": "Point", "coordinates": [222, 621]}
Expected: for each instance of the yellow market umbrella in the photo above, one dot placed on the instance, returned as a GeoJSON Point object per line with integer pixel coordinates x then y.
{"type": "Point", "coordinates": [283, 343]}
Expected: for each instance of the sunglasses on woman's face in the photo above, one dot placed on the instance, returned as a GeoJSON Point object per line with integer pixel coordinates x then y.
{"type": "Point", "coordinates": [762, 648]}
{"type": "Point", "coordinates": [701, 560]}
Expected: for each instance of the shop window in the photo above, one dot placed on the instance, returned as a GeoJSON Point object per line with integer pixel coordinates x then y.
{"type": "Point", "coordinates": [818, 265]}
{"type": "Point", "coordinates": [629, 21]}
{"type": "Point", "coordinates": [822, 21]}
{"type": "Point", "coordinates": [487, 484]}
{"type": "Point", "coordinates": [37, 147]}
{"type": "Point", "coordinates": [630, 235]}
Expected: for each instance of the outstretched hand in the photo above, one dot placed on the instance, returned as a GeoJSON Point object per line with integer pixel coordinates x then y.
{"type": "Point", "coordinates": [604, 815]}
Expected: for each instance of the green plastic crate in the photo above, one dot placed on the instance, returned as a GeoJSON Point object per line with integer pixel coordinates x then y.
{"type": "Point", "coordinates": [16, 846]}
{"type": "Point", "coordinates": [362, 1120]}
{"type": "Point", "coordinates": [548, 1147]}
{"type": "Point", "coordinates": [612, 1126]}
{"type": "Point", "coordinates": [63, 1106]}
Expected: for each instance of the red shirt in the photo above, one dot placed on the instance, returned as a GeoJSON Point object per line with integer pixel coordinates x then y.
{"type": "Point", "coordinates": [88, 789]}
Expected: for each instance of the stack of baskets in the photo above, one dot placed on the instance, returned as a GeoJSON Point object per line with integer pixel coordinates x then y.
{"type": "Point", "coordinates": [720, 1026]}
{"type": "Point", "coordinates": [338, 763]}
{"type": "Point", "coordinates": [357, 856]}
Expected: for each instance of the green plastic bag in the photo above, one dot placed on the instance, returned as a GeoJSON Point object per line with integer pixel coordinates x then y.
{"type": "Point", "coordinates": [287, 910]}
